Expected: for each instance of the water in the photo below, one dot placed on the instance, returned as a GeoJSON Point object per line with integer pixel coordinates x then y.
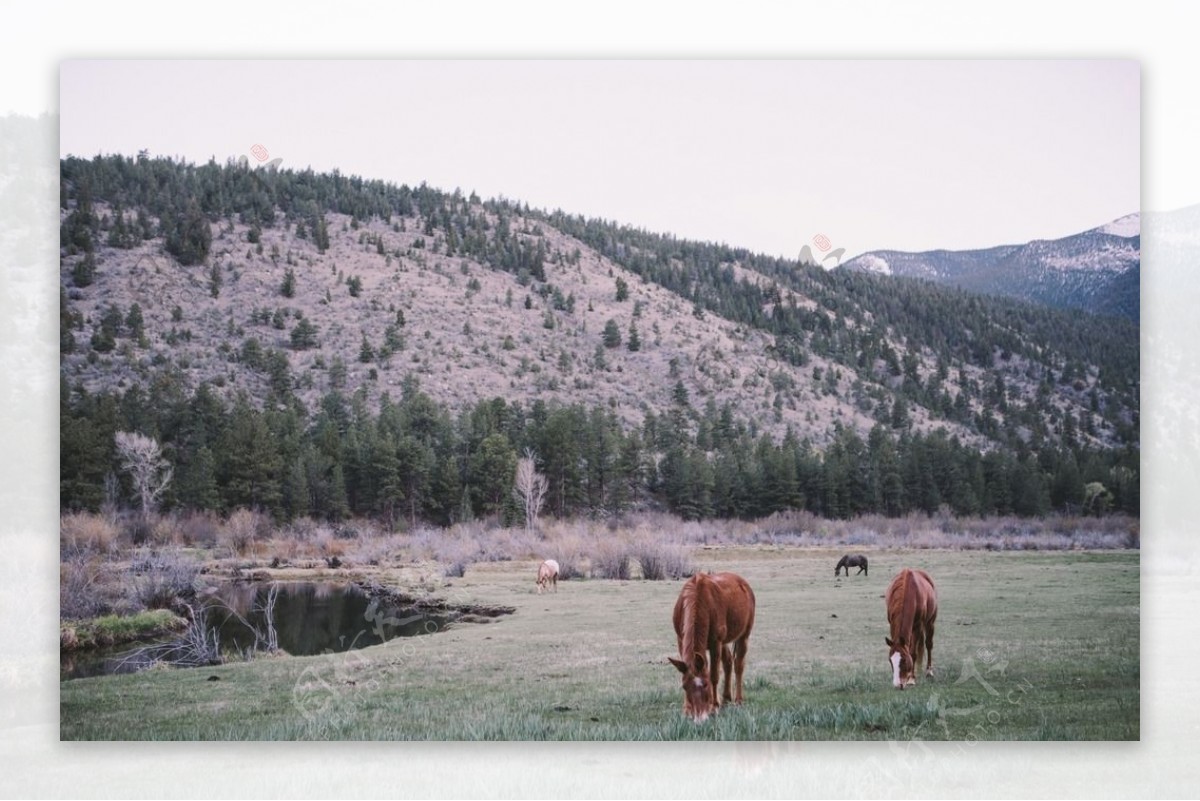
{"type": "Point", "coordinates": [310, 618]}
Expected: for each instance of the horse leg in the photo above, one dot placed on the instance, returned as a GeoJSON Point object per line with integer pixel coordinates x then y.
{"type": "Point", "coordinates": [739, 664]}
{"type": "Point", "coordinates": [716, 658]}
{"type": "Point", "coordinates": [929, 649]}
{"type": "Point", "coordinates": [727, 665]}
{"type": "Point", "coordinates": [918, 652]}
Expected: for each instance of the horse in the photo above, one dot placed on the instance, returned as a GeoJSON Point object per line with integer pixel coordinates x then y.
{"type": "Point", "coordinates": [547, 574]}
{"type": "Point", "coordinates": [911, 611]}
{"type": "Point", "coordinates": [848, 561]}
{"type": "Point", "coordinates": [713, 618]}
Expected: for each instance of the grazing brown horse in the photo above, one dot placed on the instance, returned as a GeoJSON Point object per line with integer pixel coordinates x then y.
{"type": "Point", "coordinates": [911, 611]}
{"type": "Point", "coordinates": [547, 575]}
{"type": "Point", "coordinates": [713, 618]}
{"type": "Point", "coordinates": [848, 561]}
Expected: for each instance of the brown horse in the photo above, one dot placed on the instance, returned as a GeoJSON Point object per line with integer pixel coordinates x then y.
{"type": "Point", "coordinates": [547, 575]}
{"type": "Point", "coordinates": [713, 618]}
{"type": "Point", "coordinates": [911, 611]}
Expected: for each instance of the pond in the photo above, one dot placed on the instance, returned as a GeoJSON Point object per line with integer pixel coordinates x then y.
{"type": "Point", "coordinates": [310, 618]}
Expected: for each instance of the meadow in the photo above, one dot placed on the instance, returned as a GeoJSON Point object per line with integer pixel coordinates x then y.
{"type": "Point", "coordinates": [1030, 645]}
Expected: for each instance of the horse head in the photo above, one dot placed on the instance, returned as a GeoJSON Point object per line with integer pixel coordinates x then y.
{"type": "Point", "coordinates": [699, 694]}
{"type": "Point", "coordinates": [900, 657]}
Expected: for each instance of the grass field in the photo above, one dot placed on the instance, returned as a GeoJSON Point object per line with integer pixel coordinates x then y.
{"type": "Point", "coordinates": [1029, 646]}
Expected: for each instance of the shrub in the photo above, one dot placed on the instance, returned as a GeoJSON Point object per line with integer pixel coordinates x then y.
{"type": "Point", "coordinates": [198, 530]}
{"type": "Point", "coordinates": [80, 587]}
{"type": "Point", "coordinates": [81, 532]}
{"type": "Point", "coordinates": [610, 559]}
{"type": "Point", "coordinates": [243, 529]}
{"type": "Point", "coordinates": [569, 549]}
{"type": "Point", "coordinates": [659, 560]}
{"type": "Point", "coordinates": [455, 553]}
{"type": "Point", "coordinates": [160, 580]}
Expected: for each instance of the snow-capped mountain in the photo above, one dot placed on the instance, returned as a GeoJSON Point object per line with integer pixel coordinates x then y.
{"type": "Point", "coordinates": [1098, 270]}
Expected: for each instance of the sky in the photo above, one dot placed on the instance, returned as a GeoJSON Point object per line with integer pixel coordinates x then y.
{"type": "Point", "coordinates": [768, 155]}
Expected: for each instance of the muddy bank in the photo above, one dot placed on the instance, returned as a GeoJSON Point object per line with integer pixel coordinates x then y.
{"type": "Point", "coordinates": [391, 599]}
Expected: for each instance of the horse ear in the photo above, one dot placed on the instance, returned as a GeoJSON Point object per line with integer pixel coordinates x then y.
{"type": "Point", "coordinates": [888, 640]}
{"type": "Point", "coordinates": [698, 663]}
{"type": "Point", "coordinates": [682, 666]}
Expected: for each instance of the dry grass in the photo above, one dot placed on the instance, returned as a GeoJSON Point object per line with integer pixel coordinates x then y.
{"type": "Point", "coordinates": [81, 532]}
{"type": "Point", "coordinates": [161, 579]}
{"type": "Point", "coordinates": [101, 574]}
{"type": "Point", "coordinates": [243, 529]}
{"type": "Point", "coordinates": [654, 545]}
{"type": "Point", "coordinates": [610, 559]}
{"type": "Point", "coordinates": [81, 587]}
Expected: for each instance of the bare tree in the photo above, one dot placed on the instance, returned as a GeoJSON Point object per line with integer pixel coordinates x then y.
{"type": "Point", "coordinates": [530, 489]}
{"type": "Point", "coordinates": [143, 460]}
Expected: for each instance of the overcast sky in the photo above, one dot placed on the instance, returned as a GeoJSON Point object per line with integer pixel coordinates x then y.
{"type": "Point", "coordinates": [908, 155]}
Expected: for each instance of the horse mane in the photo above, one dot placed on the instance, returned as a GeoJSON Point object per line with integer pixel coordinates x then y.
{"type": "Point", "coordinates": [902, 608]}
{"type": "Point", "coordinates": [687, 646]}
{"type": "Point", "coordinates": [693, 607]}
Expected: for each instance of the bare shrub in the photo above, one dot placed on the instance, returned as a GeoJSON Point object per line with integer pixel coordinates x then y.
{"type": "Point", "coordinates": [166, 530]}
{"type": "Point", "coordinates": [346, 531]}
{"type": "Point", "coordinates": [80, 587]}
{"type": "Point", "coordinates": [456, 553]}
{"type": "Point", "coordinates": [138, 529]}
{"type": "Point", "coordinates": [302, 529]}
{"type": "Point", "coordinates": [330, 548]}
{"type": "Point", "coordinates": [199, 530]}
{"type": "Point", "coordinates": [161, 580]}
{"type": "Point", "coordinates": [569, 548]}
{"type": "Point", "coordinates": [199, 646]}
{"type": "Point", "coordinates": [660, 559]}
{"type": "Point", "coordinates": [610, 559]}
{"type": "Point", "coordinates": [243, 528]}
{"type": "Point", "coordinates": [380, 550]}
{"type": "Point", "coordinates": [81, 532]}
{"type": "Point", "coordinates": [860, 535]}
{"type": "Point", "coordinates": [507, 544]}
{"type": "Point", "coordinates": [791, 523]}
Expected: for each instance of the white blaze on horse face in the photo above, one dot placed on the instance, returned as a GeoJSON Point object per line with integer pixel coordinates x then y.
{"type": "Point", "coordinates": [896, 669]}
{"type": "Point", "coordinates": [696, 701]}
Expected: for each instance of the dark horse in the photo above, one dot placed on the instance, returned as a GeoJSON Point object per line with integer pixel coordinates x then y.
{"type": "Point", "coordinates": [911, 611]}
{"type": "Point", "coordinates": [713, 618]}
{"type": "Point", "coordinates": [848, 561]}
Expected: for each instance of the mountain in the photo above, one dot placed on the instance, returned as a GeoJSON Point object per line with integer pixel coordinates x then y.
{"type": "Point", "coordinates": [207, 305]}
{"type": "Point", "coordinates": [1098, 270]}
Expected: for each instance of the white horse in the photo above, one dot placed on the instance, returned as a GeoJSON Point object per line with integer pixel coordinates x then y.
{"type": "Point", "coordinates": [547, 574]}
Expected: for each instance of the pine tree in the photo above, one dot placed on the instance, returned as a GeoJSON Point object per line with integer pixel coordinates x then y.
{"type": "Point", "coordinates": [190, 238]}
{"type": "Point", "coordinates": [612, 334]}
{"type": "Point", "coordinates": [365, 352]}
{"type": "Point", "coordinates": [304, 335]}
{"type": "Point", "coordinates": [634, 342]}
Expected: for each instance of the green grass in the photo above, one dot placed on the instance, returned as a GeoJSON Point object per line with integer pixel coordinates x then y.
{"type": "Point", "coordinates": [1029, 646]}
{"type": "Point", "coordinates": [110, 630]}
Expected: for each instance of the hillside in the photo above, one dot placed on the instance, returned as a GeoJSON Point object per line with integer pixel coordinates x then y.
{"type": "Point", "coordinates": [286, 289]}
{"type": "Point", "coordinates": [1097, 270]}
